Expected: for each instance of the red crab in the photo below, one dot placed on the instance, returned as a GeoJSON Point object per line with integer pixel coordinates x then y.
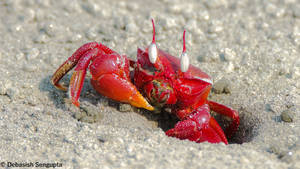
{"type": "Point", "coordinates": [157, 77]}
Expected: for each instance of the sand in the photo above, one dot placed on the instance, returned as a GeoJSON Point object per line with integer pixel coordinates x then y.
{"type": "Point", "coordinates": [251, 49]}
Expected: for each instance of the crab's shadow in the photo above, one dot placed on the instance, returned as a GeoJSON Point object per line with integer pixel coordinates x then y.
{"type": "Point", "coordinates": [164, 119]}
{"type": "Point", "coordinates": [54, 95]}
{"type": "Point", "coordinates": [58, 97]}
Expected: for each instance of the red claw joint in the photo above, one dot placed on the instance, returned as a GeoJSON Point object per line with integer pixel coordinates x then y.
{"type": "Point", "coordinates": [160, 80]}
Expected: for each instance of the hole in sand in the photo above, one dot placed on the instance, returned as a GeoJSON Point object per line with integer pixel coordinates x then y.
{"type": "Point", "coordinates": [248, 127]}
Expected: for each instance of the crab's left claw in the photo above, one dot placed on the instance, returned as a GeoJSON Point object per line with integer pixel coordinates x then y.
{"type": "Point", "coordinates": [199, 127]}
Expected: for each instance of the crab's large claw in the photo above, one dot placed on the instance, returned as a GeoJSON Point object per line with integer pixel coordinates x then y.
{"type": "Point", "coordinates": [110, 75]}
{"type": "Point", "coordinates": [199, 127]}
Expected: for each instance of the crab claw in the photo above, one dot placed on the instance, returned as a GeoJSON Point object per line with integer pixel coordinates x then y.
{"type": "Point", "coordinates": [110, 75]}
{"type": "Point", "coordinates": [199, 127]}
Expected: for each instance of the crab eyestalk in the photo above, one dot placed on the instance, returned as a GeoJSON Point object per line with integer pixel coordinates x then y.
{"type": "Point", "coordinates": [184, 59]}
{"type": "Point", "coordinates": [152, 47]}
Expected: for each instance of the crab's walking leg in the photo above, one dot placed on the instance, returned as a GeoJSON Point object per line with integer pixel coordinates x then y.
{"type": "Point", "coordinates": [199, 127]}
{"type": "Point", "coordinates": [69, 64]}
{"type": "Point", "coordinates": [226, 111]}
{"type": "Point", "coordinates": [78, 75]}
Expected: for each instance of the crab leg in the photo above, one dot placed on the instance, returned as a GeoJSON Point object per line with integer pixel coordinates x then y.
{"type": "Point", "coordinates": [78, 75]}
{"type": "Point", "coordinates": [226, 111]}
{"type": "Point", "coordinates": [199, 127]}
{"type": "Point", "coordinates": [69, 64]}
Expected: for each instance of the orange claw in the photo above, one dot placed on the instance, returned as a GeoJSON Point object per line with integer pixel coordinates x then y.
{"type": "Point", "coordinates": [114, 87]}
{"type": "Point", "coordinates": [110, 75]}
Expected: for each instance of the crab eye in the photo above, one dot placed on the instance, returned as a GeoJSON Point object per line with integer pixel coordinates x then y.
{"type": "Point", "coordinates": [184, 59]}
{"type": "Point", "coordinates": [152, 48]}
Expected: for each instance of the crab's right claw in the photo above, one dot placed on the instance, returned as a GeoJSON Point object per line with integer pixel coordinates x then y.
{"type": "Point", "coordinates": [119, 89]}
{"type": "Point", "coordinates": [110, 77]}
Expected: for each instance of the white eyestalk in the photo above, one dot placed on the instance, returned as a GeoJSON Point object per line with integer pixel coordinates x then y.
{"type": "Point", "coordinates": [184, 59]}
{"type": "Point", "coordinates": [184, 62]}
{"type": "Point", "coordinates": [152, 50]}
